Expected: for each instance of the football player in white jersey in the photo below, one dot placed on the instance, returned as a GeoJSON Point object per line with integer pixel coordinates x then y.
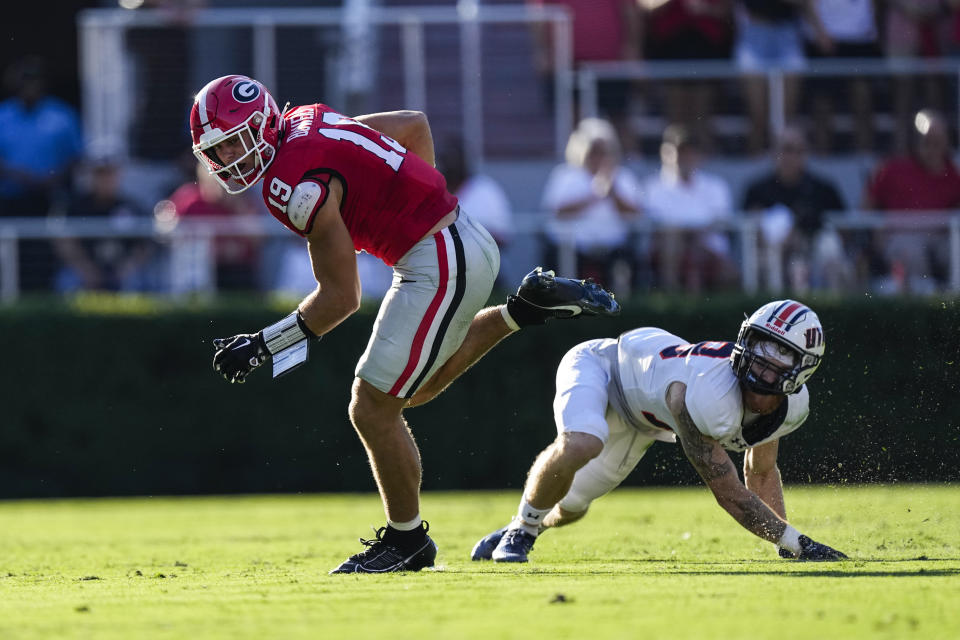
{"type": "Point", "coordinates": [616, 397]}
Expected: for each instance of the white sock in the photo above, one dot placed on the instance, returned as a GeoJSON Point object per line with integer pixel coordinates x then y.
{"type": "Point", "coordinates": [790, 540]}
{"type": "Point", "coordinates": [529, 518]}
{"type": "Point", "coordinates": [410, 525]}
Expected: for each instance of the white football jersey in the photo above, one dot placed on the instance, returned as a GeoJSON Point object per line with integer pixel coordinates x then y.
{"type": "Point", "coordinates": [650, 359]}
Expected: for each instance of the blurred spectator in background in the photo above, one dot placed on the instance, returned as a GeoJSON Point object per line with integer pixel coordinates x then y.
{"type": "Point", "coordinates": [769, 36]}
{"type": "Point", "coordinates": [914, 29]}
{"type": "Point", "coordinates": [913, 257]}
{"type": "Point", "coordinates": [40, 143]}
{"type": "Point", "coordinates": [294, 273]}
{"type": "Point", "coordinates": [591, 200]}
{"type": "Point", "coordinates": [479, 194]}
{"type": "Point", "coordinates": [690, 209]}
{"type": "Point", "coordinates": [852, 26]}
{"type": "Point", "coordinates": [110, 263]}
{"type": "Point", "coordinates": [603, 30]}
{"type": "Point", "coordinates": [791, 202]}
{"type": "Point", "coordinates": [688, 30]}
{"type": "Point", "coordinates": [236, 257]}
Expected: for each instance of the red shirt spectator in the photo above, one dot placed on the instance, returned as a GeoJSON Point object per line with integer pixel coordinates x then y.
{"type": "Point", "coordinates": [689, 30]}
{"type": "Point", "coordinates": [601, 28]}
{"type": "Point", "coordinates": [236, 256]}
{"type": "Point", "coordinates": [906, 184]}
{"type": "Point", "coordinates": [927, 180]}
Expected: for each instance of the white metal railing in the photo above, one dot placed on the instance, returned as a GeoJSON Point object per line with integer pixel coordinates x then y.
{"type": "Point", "coordinates": [930, 221]}
{"type": "Point", "coordinates": [190, 242]}
{"type": "Point", "coordinates": [746, 227]}
{"type": "Point", "coordinates": [590, 74]}
{"type": "Point", "coordinates": [106, 70]}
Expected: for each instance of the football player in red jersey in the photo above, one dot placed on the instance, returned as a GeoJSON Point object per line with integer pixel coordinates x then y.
{"type": "Point", "coordinates": [369, 184]}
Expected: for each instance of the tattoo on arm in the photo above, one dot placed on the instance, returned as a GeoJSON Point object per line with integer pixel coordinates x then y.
{"type": "Point", "coordinates": [715, 467]}
{"type": "Point", "coordinates": [702, 451]}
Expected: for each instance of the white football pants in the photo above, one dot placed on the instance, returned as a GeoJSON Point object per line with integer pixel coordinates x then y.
{"type": "Point", "coordinates": [581, 405]}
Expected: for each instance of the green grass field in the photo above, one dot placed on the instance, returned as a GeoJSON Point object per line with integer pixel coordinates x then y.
{"type": "Point", "coordinates": [646, 563]}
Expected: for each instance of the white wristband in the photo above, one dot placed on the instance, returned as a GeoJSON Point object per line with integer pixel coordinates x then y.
{"type": "Point", "coordinates": [790, 540]}
{"type": "Point", "coordinates": [281, 335]}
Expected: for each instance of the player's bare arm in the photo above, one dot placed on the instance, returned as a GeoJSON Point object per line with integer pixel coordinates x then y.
{"type": "Point", "coordinates": [337, 296]}
{"type": "Point", "coordinates": [761, 475]}
{"type": "Point", "coordinates": [410, 128]}
{"type": "Point", "coordinates": [334, 262]}
{"type": "Point", "coordinates": [716, 468]}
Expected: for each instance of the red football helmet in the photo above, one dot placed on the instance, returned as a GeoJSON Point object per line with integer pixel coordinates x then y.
{"type": "Point", "coordinates": [240, 112]}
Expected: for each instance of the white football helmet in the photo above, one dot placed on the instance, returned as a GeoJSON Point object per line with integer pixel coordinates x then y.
{"type": "Point", "coordinates": [798, 346]}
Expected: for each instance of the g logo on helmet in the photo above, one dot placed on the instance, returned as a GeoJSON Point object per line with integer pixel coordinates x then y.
{"type": "Point", "coordinates": [246, 91]}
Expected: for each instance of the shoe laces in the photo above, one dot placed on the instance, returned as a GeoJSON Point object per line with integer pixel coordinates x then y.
{"type": "Point", "coordinates": [519, 536]}
{"type": "Point", "coordinates": [378, 540]}
{"type": "Point", "coordinates": [373, 544]}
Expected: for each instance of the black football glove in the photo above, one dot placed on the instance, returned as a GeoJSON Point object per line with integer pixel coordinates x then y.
{"type": "Point", "coordinates": [811, 551]}
{"type": "Point", "coordinates": [236, 357]}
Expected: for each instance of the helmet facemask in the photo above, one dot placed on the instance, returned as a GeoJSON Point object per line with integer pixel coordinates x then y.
{"type": "Point", "coordinates": [256, 151]}
{"type": "Point", "coordinates": [767, 366]}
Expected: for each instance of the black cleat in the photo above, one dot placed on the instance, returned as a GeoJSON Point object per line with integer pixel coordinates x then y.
{"type": "Point", "coordinates": [554, 297]}
{"type": "Point", "coordinates": [483, 550]}
{"type": "Point", "coordinates": [514, 546]}
{"type": "Point", "coordinates": [381, 557]}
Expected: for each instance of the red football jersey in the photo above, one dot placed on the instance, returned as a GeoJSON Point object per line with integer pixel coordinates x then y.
{"type": "Point", "coordinates": [391, 198]}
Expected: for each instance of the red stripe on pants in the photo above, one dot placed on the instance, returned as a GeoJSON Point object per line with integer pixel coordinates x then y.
{"type": "Point", "coordinates": [420, 337]}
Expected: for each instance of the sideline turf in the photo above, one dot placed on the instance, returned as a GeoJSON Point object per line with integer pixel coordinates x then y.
{"type": "Point", "coordinates": [646, 563]}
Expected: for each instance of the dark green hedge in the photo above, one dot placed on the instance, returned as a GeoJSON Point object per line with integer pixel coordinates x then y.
{"type": "Point", "coordinates": [115, 403]}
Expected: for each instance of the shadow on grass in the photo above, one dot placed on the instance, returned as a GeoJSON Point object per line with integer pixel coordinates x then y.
{"type": "Point", "coordinates": [854, 572]}
{"type": "Point", "coordinates": [854, 568]}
